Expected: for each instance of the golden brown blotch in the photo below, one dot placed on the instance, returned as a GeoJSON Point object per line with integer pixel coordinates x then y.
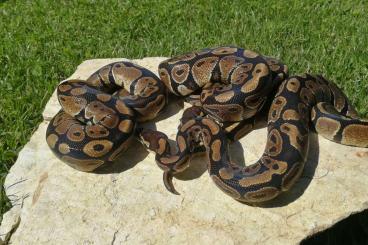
{"type": "Point", "coordinates": [241, 73]}
{"type": "Point", "coordinates": [293, 85]}
{"type": "Point", "coordinates": [180, 73]}
{"type": "Point", "coordinates": [51, 140]}
{"type": "Point", "coordinates": [61, 117]}
{"type": "Point", "coordinates": [290, 114]}
{"type": "Point", "coordinates": [225, 96]}
{"type": "Point", "coordinates": [226, 173]}
{"type": "Point", "coordinates": [72, 105]}
{"type": "Point", "coordinates": [145, 86]}
{"type": "Point", "coordinates": [274, 167]}
{"type": "Point", "coordinates": [123, 109]}
{"type": "Point", "coordinates": [216, 150]}
{"type": "Point", "coordinates": [81, 164]}
{"type": "Point", "coordinates": [202, 70]}
{"type": "Point", "coordinates": [126, 126]}
{"type": "Point", "coordinates": [65, 125]}
{"type": "Point", "coordinates": [165, 78]}
{"type": "Point", "coordinates": [259, 71]}
{"type": "Point", "coordinates": [297, 140]}
{"type": "Point", "coordinates": [291, 176]}
{"type": "Point", "coordinates": [64, 87]}
{"type": "Point", "coordinates": [94, 81]}
{"type": "Point", "coordinates": [227, 64]}
{"type": "Point", "coordinates": [181, 143]}
{"type": "Point", "coordinates": [225, 188]}
{"type": "Point", "coordinates": [356, 135]}
{"type": "Point", "coordinates": [104, 74]}
{"type": "Point", "coordinates": [76, 133]}
{"type": "Point", "coordinates": [78, 91]}
{"type": "Point", "coordinates": [224, 50]}
{"type": "Point", "coordinates": [96, 131]}
{"type": "Point", "coordinates": [327, 127]}
{"type": "Point", "coordinates": [214, 128]}
{"type": "Point", "coordinates": [277, 105]}
{"type": "Point", "coordinates": [162, 146]}
{"type": "Point", "coordinates": [261, 195]}
{"type": "Point", "coordinates": [124, 75]}
{"type": "Point", "coordinates": [104, 97]}
{"type": "Point", "coordinates": [274, 143]}
{"type": "Point", "coordinates": [187, 125]}
{"type": "Point", "coordinates": [250, 54]}
{"type": "Point", "coordinates": [97, 148]}
{"type": "Point", "coordinates": [64, 148]}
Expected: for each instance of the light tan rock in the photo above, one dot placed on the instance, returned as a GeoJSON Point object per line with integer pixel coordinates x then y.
{"type": "Point", "coordinates": [55, 204]}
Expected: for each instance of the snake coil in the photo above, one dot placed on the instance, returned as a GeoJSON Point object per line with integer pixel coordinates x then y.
{"type": "Point", "coordinates": [230, 89]}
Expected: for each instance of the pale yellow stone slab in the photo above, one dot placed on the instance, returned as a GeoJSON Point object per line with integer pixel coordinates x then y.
{"type": "Point", "coordinates": [55, 204]}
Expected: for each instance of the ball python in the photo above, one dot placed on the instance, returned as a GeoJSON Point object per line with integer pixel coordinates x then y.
{"type": "Point", "coordinates": [298, 104]}
{"type": "Point", "coordinates": [99, 115]}
{"type": "Point", "coordinates": [229, 88]}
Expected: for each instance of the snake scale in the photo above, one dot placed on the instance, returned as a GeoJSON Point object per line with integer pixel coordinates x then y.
{"type": "Point", "coordinates": [231, 90]}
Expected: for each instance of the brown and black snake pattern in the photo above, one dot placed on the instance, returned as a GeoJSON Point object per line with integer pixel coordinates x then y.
{"type": "Point", "coordinates": [300, 102]}
{"type": "Point", "coordinates": [230, 88]}
{"type": "Point", "coordinates": [99, 116]}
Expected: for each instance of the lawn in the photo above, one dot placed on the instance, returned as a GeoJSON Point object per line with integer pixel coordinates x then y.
{"type": "Point", "coordinates": [42, 42]}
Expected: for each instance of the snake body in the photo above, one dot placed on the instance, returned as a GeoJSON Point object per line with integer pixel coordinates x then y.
{"type": "Point", "coordinates": [230, 89]}
{"type": "Point", "coordinates": [99, 115]}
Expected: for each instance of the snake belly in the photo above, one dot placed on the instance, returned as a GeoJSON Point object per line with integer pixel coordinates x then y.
{"type": "Point", "coordinates": [299, 103]}
{"type": "Point", "coordinates": [99, 115]}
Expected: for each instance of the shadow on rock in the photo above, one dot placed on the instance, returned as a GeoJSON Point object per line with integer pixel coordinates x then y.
{"type": "Point", "coordinates": [135, 154]}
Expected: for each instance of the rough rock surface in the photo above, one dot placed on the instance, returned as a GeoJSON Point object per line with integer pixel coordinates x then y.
{"type": "Point", "coordinates": [55, 204]}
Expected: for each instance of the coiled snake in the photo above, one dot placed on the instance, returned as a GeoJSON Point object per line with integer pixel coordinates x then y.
{"type": "Point", "coordinates": [230, 89]}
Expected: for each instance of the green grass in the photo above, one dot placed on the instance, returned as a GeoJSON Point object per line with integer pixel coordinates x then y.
{"type": "Point", "coordinates": [42, 42]}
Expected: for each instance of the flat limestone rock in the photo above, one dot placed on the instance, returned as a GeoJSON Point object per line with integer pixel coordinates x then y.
{"type": "Point", "coordinates": [128, 203]}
